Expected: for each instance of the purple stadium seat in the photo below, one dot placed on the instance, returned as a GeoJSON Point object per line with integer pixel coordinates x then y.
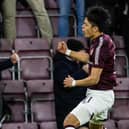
{"type": "Point", "coordinates": [6, 74]}
{"type": "Point", "coordinates": [119, 41]}
{"type": "Point", "coordinates": [123, 124]}
{"type": "Point", "coordinates": [41, 97]}
{"type": "Point", "coordinates": [57, 39]}
{"type": "Point", "coordinates": [13, 89]}
{"type": "Point", "coordinates": [51, 4]}
{"type": "Point", "coordinates": [121, 64]}
{"type": "Point", "coordinates": [35, 68]}
{"type": "Point", "coordinates": [48, 125]}
{"type": "Point", "coordinates": [5, 52]}
{"type": "Point", "coordinates": [5, 48]}
{"type": "Point", "coordinates": [109, 124]}
{"type": "Point", "coordinates": [42, 89]}
{"type": "Point", "coordinates": [14, 94]}
{"type": "Point", "coordinates": [20, 126]}
{"type": "Point", "coordinates": [43, 111]}
{"type": "Point", "coordinates": [120, 113]}
{"type": "Point", "coordinates": [26, 25]}
{"type": "Point", "coordinates": [122, 92]}
{"type": "Point", "coordinates": [32, 46]}
{"type": "Point", "coordinates": [18, 113]}
{"type": "Point", "coordinates": [122, 87]}
{"type": "Point", "coordinates": [35, 59]}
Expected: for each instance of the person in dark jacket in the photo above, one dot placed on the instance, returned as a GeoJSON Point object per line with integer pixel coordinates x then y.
{"type": "Point", "coordinates": [8, 62]}
{"type": "Point", "coordinates": [67, 98]}
{"type": "Point", "coordinates": [4, 65]}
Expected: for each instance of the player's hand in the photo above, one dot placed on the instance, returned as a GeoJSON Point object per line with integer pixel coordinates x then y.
{"type": "Point", "coordinates": [68, 81]}
{"type": "Point", "coordinates": [62, 47]}
{"type": "Point", "coordinates": [14, 58]}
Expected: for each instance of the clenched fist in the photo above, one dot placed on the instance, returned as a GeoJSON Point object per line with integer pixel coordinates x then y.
{"type": "Point", "coordinates": [62, 47]}
{"type": "Point", "coordinates": [14, 58]}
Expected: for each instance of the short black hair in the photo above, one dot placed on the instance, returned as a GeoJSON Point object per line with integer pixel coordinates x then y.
{"type": "Point", "coordinates": [75, 45]}
{"type": "Point", "coordinates": [100, 17]}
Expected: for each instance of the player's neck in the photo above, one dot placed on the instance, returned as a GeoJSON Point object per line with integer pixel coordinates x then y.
{"type": "Point", "coordinates": [96, 35]}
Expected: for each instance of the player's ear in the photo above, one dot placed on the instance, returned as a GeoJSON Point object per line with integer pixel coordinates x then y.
{"type": "Point", "coordinates": [95, 28]}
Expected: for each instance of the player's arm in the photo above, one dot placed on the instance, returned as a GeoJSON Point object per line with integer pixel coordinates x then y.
{"type": "Point", "coordinates": [91, 80]}
{"type": "Point", "coordinates": [81, 56]}
{"type": "Point", "coordinates": [9, 62]}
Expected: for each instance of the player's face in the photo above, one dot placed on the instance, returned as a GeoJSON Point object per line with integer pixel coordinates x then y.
{"type": "Point", "coordinates": [88, 29]}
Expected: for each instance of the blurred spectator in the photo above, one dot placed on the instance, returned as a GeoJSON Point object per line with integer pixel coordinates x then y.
{"type": "Point", "coordinates": [4, 109]}
{"type": "Point", "coordinates": [38, 8]}
{"type": "Point", "coordinates": [65, 11]}
{"type": "Point", "coordinates": [90, 3]}
{"type": "Point", "coordinates": [122, 22]}
{"type": "Point", "coordinates": [67, 98]}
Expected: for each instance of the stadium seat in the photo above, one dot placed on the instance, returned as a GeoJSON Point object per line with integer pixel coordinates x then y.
{"type": "Point", "coordinates": [40, 89]}
{"type": "Point", "coordinates": [119, 41]}
{"type": "Point", "coordinates": [121, 62]}
{"type": "Point", "coordinates": [123, 124]}
{"type": "Point", "coordinates": [35, 68]}
{"type": "Point", "coordinates": [121, 65]}
{"type": "Point", "coordinates": [20, 126]}
{"type": "Point", "coordinates": [48, 125]}
{"type": "Point", "coordinates": [6, 47]}
{"type": "Point", "coordinates": [122, 92]}
{"type": "Point", "coordinates": [32, 47]}
{"type": "Point", "coordinates": [26, 26]}
{"type": "Point", "coordinates": [120, 109]}
{"type": "Point", "coordinates": [6, 74]}
{"type": "Point", "coordinates": [109, 124]}
{"type": "Point", "coordinates": [42, 111]}
{"type": "Point", "coordinates": [18, 113]}
{"type": "Point", "coordinates": [13, 89]}
{"type": "Point", "coordinates": [51, 4]}
{"type": "Point", "coordinates": [41, 97]}
{"type": "Point", "coordinates": [120, 112]}
{"type": "Point", "coordinates": [14, 94]}
{"type": "Point", "coordinates": [35, 59]}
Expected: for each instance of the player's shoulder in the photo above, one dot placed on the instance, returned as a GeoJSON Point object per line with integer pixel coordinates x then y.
{"type": "Point", "coordinates": [108, 40]}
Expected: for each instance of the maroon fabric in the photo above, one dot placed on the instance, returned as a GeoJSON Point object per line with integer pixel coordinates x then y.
{"type": "Point", "coordinates": [102, 56]}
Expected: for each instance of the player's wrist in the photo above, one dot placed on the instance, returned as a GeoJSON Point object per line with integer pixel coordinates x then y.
{"type": "Point", "coordinates": [68, 52]}
{"type": "Point", "coordinates": [73, 83]}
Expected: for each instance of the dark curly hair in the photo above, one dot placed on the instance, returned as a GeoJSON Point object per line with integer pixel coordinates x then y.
{"type": "Point", "coordinates": [100, 17]}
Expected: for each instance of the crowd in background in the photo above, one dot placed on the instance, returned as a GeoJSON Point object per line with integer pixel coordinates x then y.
{"type": "Point", "coordinates": [118, 9]}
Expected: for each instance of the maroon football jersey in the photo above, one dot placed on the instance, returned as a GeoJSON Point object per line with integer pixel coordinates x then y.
{"type": "Point", "coordinates": [102, 53]}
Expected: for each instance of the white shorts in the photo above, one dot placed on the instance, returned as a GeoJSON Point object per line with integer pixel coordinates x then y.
{"type": "Point", "coordinates": [96, 102]}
